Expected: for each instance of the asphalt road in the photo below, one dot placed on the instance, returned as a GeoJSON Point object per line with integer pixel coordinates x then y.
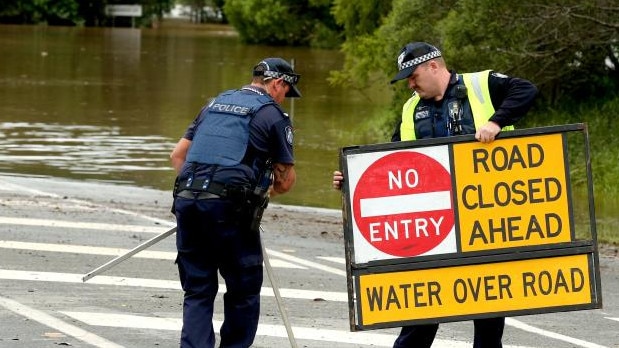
{"type": "Point", "coordinates": [53, 232]}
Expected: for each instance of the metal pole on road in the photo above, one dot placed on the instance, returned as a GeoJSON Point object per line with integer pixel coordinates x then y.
{"type": "Point", "coordinates": [127, 255]}
{"type": "Point", "coordinates": [278, 297]}
{"type": "Point", "coordinates": [152, 241]}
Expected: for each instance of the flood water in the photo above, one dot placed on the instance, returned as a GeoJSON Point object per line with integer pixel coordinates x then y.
{"type": "Point", "coordinates": [109, 104]}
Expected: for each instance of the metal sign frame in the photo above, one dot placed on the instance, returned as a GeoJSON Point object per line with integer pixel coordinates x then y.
{"type": "Point", "coordinates": [355, 271]}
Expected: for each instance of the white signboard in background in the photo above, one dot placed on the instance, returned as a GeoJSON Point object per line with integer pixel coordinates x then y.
{"type": "Point", "coordinates": [123, 10]}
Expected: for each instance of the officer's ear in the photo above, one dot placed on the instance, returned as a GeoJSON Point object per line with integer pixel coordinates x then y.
{"type": "Point", "coordinates": [280, 82]}
{"type": "Point", "coordinates": [268, 83]}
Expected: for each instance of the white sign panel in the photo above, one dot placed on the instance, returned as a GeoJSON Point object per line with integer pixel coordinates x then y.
{"type": "Point", "coordinates": [401, 203]}
{"type": "Point", "coordinates": [123, 10]}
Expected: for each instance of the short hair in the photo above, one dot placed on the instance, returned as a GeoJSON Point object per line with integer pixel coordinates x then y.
{"type": "Point", "coordinates": [260, 78]}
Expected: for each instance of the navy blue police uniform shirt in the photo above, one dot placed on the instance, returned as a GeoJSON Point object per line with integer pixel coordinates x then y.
{"type": "Point", "coordinates": [270, 136]}
{"type": "Point", "coordinates": [511, 98]}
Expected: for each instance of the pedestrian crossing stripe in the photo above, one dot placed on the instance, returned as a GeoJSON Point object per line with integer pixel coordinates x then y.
{"type": "Point", "coordinates": [272, 330]}
{"type": "Point", "coordinates": [82, 249]}
{"type": "Point", "coordinates": [161, 284]}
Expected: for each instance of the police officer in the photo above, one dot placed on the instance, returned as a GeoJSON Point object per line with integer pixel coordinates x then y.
{"type": "Point", "coordinates": [445, 103]}
{"type": "Point", "coordinates": [236, 153]}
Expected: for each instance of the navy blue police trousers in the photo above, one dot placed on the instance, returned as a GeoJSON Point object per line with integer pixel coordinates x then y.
{"type": "Point", "coordinates": [488, 334]}
{"type": "Point", "coordinates": [212, 237]}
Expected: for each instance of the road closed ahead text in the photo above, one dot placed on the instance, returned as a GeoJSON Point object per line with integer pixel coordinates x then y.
{"type": "Point", "coordinates": [474, 289]}
{"type": "Point", "coordinates": [512, 193]}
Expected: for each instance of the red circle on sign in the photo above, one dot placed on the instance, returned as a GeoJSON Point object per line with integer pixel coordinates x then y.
{"type": "Point", "coordinates": [388, 223]}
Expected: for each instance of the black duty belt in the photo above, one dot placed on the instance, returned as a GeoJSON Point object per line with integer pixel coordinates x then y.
{"type": "Point", "coordinates": [196, 195]}
{"type": "Point", "coordinates": [206, 189]}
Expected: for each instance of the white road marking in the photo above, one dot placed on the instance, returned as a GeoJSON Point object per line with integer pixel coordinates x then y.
{"type": "Point", "coordinates": [615, 319]}
{"type": "Point", "coordinates": [81, 225]}
{"type": "Point", "coordinates": [57, 324]}
{"type": "Point", "coordinates": [90, 250]}
{"type": "Point", "coordinates": [522, 326]}
{"type": "Point", "coordinates": [333, 259]}
{"type": "Point", "coordinates": [307, 263]}
{"type": "Point", "coordinates": [160, 284]}
{"type": "Point", "coordinates": [303, 333]}
{"type": "Point", "coordinates": [7, 186]}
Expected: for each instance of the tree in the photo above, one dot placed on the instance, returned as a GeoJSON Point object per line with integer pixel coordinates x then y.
{"type": "Point", "coordinates": [360, 17]}
{"type": "Point", "coordinates": [567, 47]}
{"type": "Point", "coordinates": [283, 22]}
{"type": "Point", "coordinates": [561, 45]}
{"type": "Point", "coordinates": [371, 58]}
{"type": "Point", "coordinates": [56, 12]}
{"type": "Point", "coordinates": [73, 12]}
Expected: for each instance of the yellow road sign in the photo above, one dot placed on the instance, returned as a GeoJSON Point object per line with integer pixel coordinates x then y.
{"type": "Point", "coordinates": [512, 193]}
{"type": "Point", "coordinates": [459, 291]}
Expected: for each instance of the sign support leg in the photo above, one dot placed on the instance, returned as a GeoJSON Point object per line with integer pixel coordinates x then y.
{"type": "Point", "coordinates": [278, 298]}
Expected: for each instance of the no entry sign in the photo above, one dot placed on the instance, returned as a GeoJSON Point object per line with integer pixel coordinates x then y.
{"type": "Point", "coordinates": [402, 205]}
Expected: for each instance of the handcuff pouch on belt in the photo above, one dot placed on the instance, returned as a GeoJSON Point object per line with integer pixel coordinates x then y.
{"type": "Point", "coordinates": [261, 196]}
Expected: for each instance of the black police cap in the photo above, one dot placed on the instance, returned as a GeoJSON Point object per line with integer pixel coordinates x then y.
{"type": "Point", "coordinates": [279, 68]}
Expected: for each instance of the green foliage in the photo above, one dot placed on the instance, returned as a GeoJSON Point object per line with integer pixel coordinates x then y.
{"type": "Point", "coordinates": [370, 59]}
{"type": "Point", "coordinates": [281, 22]}
{"type": "Point", "coordinates": [603, 129]}
{"type": "Point", "coordinates": [558, 44]}
{"type": "Point", "coordinates": [60, 12]}
{"type": "Point", "coordinates": [561, 45]}
{"type": "Point", "coordinates": [73, 12]}
{"type": "Point", "coordinates": [360, 17]}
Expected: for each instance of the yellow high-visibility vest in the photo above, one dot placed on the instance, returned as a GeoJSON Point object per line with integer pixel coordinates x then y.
{"type": "Point", "coordinates": [478, 94]}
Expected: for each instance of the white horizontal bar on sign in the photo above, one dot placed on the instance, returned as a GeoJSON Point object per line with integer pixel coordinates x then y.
{"type": "Point", "coordinates": [413, 203]}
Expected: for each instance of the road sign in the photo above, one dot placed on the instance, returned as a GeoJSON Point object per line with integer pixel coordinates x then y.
{"type": "Point", "coordinates": [402, 205]}
{"type": "Point", "coordinates": [452, 229]}
{"type": "Point", "coordinates": [123, 10]}
{"type": "Point", "coordinates": [513, 192]}
{"type": "Point", "coordinates": [517, 287]}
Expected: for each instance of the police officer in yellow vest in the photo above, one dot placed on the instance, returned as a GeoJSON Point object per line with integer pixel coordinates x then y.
{"type": "Point", "coordinates": [445, 103]}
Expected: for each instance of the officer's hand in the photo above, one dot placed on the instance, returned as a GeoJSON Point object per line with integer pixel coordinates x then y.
{"type": "Point", "coordinates": [487, 132]}
{"type": "Point", "coordinates": [338, 177]}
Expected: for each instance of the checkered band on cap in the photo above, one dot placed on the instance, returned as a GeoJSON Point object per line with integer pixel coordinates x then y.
{"type": "Point", "coordinates": [290, 79]}
{"type": "Point", "coordinates": [420, 60]}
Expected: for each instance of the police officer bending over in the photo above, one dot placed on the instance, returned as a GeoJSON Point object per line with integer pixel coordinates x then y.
{"type": "Point", "coordinates": [235, 154]}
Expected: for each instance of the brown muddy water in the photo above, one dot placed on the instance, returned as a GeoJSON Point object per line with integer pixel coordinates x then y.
{"type": "Point", "coordinates": [108, 104]}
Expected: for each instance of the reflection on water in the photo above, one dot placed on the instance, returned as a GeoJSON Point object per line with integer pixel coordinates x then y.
{"type": "Point", "coordinates": [110, 103]}
{"type": "Point", "coordinates": [87, 151]}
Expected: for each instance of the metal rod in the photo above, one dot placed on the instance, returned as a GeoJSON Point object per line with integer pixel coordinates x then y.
{"type": "Point", "coordinates": [278, 298]}
{"type": "Point", "coordinates": [292, 99]}
{"type": "Point", "coordinates": [164, 235]}
{"type": "Point", "coordinates": [127, 255]}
